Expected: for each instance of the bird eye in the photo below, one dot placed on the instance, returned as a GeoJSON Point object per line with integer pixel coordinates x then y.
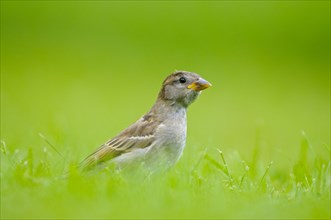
{"type": "Point", "coordinates": [182, 80]}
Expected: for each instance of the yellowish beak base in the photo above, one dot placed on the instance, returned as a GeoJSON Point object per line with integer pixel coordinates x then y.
{"type": "Point", "coordinates": [199, 85]}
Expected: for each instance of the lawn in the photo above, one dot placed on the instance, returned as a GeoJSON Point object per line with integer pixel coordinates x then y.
{"type": "Point", "coordinates": [74, 74]}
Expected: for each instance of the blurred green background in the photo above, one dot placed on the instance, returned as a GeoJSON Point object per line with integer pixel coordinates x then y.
{"type": "Point", "coordinates": [81, 71]}
{"type": "Point", "coordinates": [88, 69]}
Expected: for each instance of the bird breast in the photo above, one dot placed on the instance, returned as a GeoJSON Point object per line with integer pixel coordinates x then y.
{"type": "Point", "coordinates": [171, 136]}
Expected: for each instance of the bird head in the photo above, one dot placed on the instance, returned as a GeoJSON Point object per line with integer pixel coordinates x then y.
{"type": "Point", "coordinates": [182, 87]}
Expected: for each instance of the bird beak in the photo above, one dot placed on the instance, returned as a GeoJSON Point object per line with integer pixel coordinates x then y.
{"type": "Point", "coordinates": [199, 85]}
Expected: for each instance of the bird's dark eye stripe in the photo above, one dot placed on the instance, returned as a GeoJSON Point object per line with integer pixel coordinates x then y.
{"type": "Point", "coordinates": [182, 80]}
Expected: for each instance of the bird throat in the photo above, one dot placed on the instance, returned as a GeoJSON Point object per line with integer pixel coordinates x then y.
{"type": "Point", "coordinates": [167, 109]}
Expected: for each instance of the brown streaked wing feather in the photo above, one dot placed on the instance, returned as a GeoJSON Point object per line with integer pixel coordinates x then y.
{"type": "Point", "coordinates": [138, 135]}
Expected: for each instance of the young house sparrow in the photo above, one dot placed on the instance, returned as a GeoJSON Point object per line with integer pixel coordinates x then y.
{"type": "Point", "coordinates": [158, 138]}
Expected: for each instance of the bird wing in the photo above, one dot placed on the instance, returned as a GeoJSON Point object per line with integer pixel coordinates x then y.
{"type": "Point", "coordinates": [138, 135]}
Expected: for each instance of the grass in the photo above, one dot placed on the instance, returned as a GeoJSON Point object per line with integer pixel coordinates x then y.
{"type": "Point", "coordinates": [210, 188]}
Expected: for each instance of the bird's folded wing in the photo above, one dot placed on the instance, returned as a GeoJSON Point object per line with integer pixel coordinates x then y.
{"type": "Point", "coordinates": [138, 135]}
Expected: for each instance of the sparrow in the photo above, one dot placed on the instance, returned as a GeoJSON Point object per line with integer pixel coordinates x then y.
{"type": "Point", "coordinates": [158, 138]}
